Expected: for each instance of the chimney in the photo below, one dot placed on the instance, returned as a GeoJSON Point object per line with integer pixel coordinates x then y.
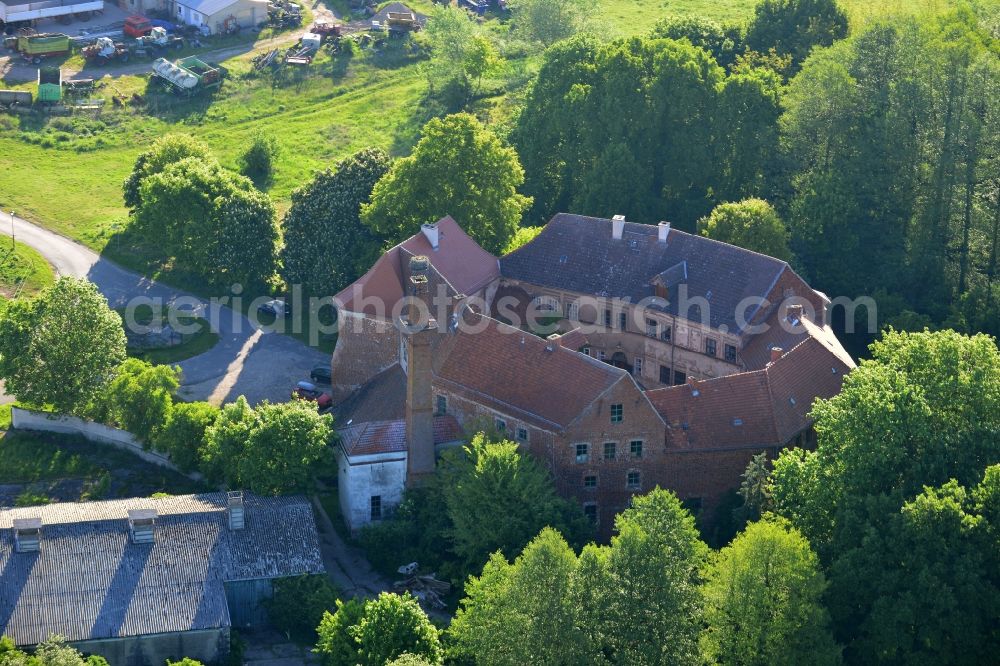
{"type": "Point", "coordinates": [776, 353]}
{"type": "Point", "coordinates": [663, 230]}
{"type": "Point", "coordinates": [234, 509]}
{"type": "Point", "coordinates": [418, 288]}
{"type": "Point", "coordinates": [690, 380]}
{"type": "Point", "coordinates": [419, 390]}
{"type": "Point", "coordinates": [617, 226]}
{"type": "Point", "coordinates": [140, 524]}
{"type": "Point", "coordinates": [432, 233]}
{"type": "Point", "coordinates": [27, 535]}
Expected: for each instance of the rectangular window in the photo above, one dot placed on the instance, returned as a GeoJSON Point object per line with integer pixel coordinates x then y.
{"type": "Point", "coordinates": [582, 453]}
{"type": "Point", "coordinates": [679, 378]}
{"type": "Point", "coordinates": [731, 353]}
{"type": "Point", "coordinates": [666, 333]}
{"type": "Point", "coordinates": [637, 369]}
{"type": "Point", "coordinates": [633, 481]}
{"type": "Point", "coordinates": [590, 510]}
{"type": "Point", "coordinates": [635, 448]}
{"type": "Point", "coordinates": [522, 434]}
{"type": "Point", "coordinates": [501, 425]}
{"type": "Point", "coordinates": [617, 413]}
{"type": "Point", "coordinates": [651, 328]}
{"type": "Point", "coordinates": [590, 481]}
{"type": "Point", "coordinates": [710, 346]}
{"type": "Point", "coordinates": [376, 507]}
{"type": "Point", "coordinates": [600, 354]}
{"type": "Point", "coordinates": [610, 451]}
{"type": "Point", "coordinates": [607, 318]}
{"type": "Point", "coordinates": [664, 374]}
{"type": "Point", "coordinates": [573, 311]}
{"type": "Point", "coordinates": [442, 405]}
{"type": "Point", "coordinates": [622, 320]}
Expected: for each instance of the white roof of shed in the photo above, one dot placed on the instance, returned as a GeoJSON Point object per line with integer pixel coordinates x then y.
{"type": "Point", "coordinates": [210, 7]}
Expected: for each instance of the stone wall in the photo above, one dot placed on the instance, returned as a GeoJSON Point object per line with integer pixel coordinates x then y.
{"type": "Point", "coordinates": [26, 419]}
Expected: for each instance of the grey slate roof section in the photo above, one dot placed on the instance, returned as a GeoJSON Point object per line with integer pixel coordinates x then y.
{"type": "Point", "coordinates": [578, 254]}
{"type": "Point", "coordinates": [89, 581]}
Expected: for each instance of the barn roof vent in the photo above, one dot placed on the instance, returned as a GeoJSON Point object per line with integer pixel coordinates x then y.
{"type": "Point", "coordinates": [27, 535]}
{"type": "Point", "coordinates": [234, 509]}
{"type": "Point", "coordinates": [140, 525]}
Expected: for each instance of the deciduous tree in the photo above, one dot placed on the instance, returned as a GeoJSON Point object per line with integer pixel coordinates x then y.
{"type": "Point", "coordinates": [283, 448]}
{"type": "Point", "coordinates": [165, 151]}
{"type": "Point", "coordinates": [548, 21]}
{"type": "Point", "coordinates": [763, 601]}
{"type": "Point", "coordinates": [795, 27]}
{"type": "Point", "coordinates": [182, 435]}
{"type": "Point", "coordinates": [458, 168]}
{"type": "Point", "coordinates": [752, 224]}
{"type": "Point", "coordinates": [326, 245]}
{"type": "Point", "coordinates": [393, 625]}
{"type": "Point", "coordinates": [140, 398]}
{"type": "Point", "coordinates": [61, 347]}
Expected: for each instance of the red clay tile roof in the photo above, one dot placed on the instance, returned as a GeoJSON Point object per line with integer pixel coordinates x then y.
{"type": "Point", "coordinates": [766, 407]}
{"type": "Point", "coordinates": [756, 354]}
{"type": "Point", "coordinates": [361, 355]}
{"type": "Point", "coordinates": [505, 367]}
{"type": "Point", "coordinates": [376, 437]}
{"type": "Point", "coordinates": [459, 262]}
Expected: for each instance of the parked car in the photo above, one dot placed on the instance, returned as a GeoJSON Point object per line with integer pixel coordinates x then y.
{"type": "Point", "coordinates": [276, 308]}
{"type": "Point", "coordinates": [321, 374]}
{"type": "Point", "coordinates": [308, 391]}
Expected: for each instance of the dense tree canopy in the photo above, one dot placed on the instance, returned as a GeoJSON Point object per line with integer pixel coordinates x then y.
{"type": "Point", "coordinates": [213, 220]}
{"type": "Point", "coordinates": [61, 347]}
{"type": "Point", "coordinates": [636, 601]}
{"type": "Point", "coordinates": [893, 148]}
{"type": "Point", "coordinates": [752, 224]}
{"type": "Point", "coordinates": [165, 151]}
{"type": "Point", "coordinates": [458, 168]}
{"type": "Point", "coordinates": [650, 128]}
{"type": "Point", "coordinates": [393, 625]}
{"type": "Point", "coordinates": [924, 411]}
{"type": "Point", "coordinates": [723, 42]}
{"type": "Point", "coordinates": [795, 27]}
{"type": "Point", "coordinates": [140, 398]}
{"type": "Point", "coordinates": [326, 245]}
{"type": "Point", "coordinates": [763, 598]}
{"type": "Point", "coordinates": [257, 158]}
{"type": "Point", "coordinates": [182, 434]}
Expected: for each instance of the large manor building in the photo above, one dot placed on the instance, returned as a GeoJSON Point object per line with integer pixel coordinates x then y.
{"type": "Point", "coordinates": [622, 356]}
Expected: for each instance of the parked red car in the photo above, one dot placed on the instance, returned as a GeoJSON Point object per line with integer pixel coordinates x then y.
{"type": "Point", "coordinates": [308, 391]}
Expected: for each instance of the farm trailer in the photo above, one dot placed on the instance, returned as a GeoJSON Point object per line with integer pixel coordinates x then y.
{"type": "Point", "coordinates": [188, 75]}
{"type": "Point", "coordinates": [13, 11]}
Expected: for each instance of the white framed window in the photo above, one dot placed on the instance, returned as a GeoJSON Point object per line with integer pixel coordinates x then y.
{"type": "Point", "coordinates": [573, 311]}
{"type": "Point", "coordinates": [633, 480]}
{"type": "Point", "coordinates": [547, 303]}
{"type": "Point", "coordinates": [501, 425]}
{"type": "Point", "coordinates": [582, 452]}
{"type": "Point", "coordinates": [522, 434]}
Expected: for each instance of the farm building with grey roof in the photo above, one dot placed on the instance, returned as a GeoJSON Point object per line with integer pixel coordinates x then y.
{"type": "Point", "coordinates": [139, 581]}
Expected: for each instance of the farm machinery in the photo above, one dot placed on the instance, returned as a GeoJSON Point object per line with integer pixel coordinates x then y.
{"type": "Point", "coordinates": [34, 46]}
{"type": "Point", "coordinates": [105, 50]}
{"type": "Point", "coordinates": [187, 76]}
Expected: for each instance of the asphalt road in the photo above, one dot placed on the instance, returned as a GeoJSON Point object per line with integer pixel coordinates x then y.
{"type": "Point", "coordinates": [246, 361]}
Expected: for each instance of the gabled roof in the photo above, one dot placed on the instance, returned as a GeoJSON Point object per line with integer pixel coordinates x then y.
{"type": "Point", "coordinates": [756, 354]}
{"type": "Point", "coordinates": [210, 7]}
{"type": "Point", "coordinates": [89, 581]}
{"type": "Point", "coordinates": [374, 437]}
{"type": "Point", "coordinates": [578, 254]}
{"type": "Point", "coordinates": [458, 263]}
{"type": "Point", "coordinates": [762, 408]}
{"type": "Point", "coordinates": [498, 365]}
{"type": "Point", "coordinates": [381, 399]}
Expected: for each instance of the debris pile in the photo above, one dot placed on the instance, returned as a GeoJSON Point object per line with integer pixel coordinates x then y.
{"type": "Point", "coordinates": [427, 589]}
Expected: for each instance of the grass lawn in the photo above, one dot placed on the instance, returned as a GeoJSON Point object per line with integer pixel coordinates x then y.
{"type": "Point", "coordinates": [66, 172]}
{"type": "Point", "coordinates": [38, 468]}
{"type": "Point", "coordinates": [22, 269]}
{"type": "Point", "coordinates": [193, 343]}
{"type": "Point", "coordinates": [5, 416]}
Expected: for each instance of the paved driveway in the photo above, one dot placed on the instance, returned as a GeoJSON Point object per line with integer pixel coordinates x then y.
{"type": "Point", "coordinates": [258, 364]}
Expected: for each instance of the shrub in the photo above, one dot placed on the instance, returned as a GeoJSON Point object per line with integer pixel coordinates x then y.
{"type": "Point", "coordinates": [298, 605]}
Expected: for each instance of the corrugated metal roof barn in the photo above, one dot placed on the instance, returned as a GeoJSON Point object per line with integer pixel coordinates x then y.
{"type": "Point", "coordinates": [134, 567]}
